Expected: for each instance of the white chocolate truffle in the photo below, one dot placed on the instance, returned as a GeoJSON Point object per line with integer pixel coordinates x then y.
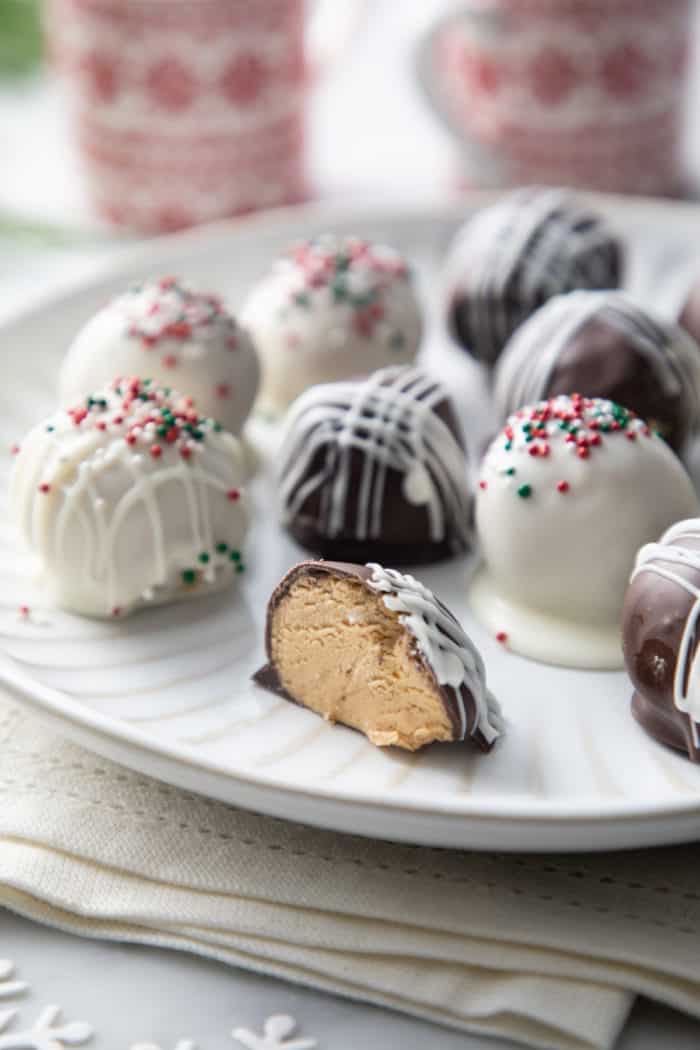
{"type": "Point", "coordinates": [334, 308]}
{"type": "Point", "coordinates": [569, 492]}
{"type": "Point", "coordinates": [167, 332]}
{"type": "Point", "coordinates": [131, 499]}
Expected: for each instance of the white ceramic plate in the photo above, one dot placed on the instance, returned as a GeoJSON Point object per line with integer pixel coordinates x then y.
{"type": "Point", "coordinates": [168, 691]}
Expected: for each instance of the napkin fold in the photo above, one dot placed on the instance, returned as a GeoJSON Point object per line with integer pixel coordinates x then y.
{"type": "Point", "coordinates": [549, 951]}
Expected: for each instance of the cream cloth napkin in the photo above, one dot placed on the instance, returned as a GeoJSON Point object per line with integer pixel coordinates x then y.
{"type": "Point", "coordinates": [548, 951]}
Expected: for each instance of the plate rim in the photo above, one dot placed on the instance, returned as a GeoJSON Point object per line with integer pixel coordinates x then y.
{"type": "Point", "coordinates": [157, 252]}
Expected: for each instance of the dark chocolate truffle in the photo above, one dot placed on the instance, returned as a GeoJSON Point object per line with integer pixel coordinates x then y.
{"type": "Point", "coordinates": [661, 630]}
{"type": "Point", "coordinates": [374, 469]}
{"type": "Point", "coordinates": [376, 650]}
{"type": "Point", "coordinates": [602, 344]}
{"type": "Point", "coordinates": [513, 256]}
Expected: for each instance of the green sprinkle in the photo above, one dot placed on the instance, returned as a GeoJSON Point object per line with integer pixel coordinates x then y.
{"type": "Point", "coordinates": [240, 567]}
{"type": "Point", "coordinates": [508, 446]}
{"type": "Point", "coordinates": [204, 557]}
{"type": "Point", "coordinates": [235, 555]}
{"type": "Point", "coordinates": [162, 430]}
{"type": "Point", "coordinates": [50, 428]}
{"type": "Point", "coordinates": [221, 548]}
{"type": "Point", "coordinates": [511, 471]}
{"type": "Point", "coordinates": [302, 299]}
{"type": "Point", "coordinates": [216, 427]}
{"type": "Point", "coordinates": [189, 575]}
{"type": "Point", "coordinates": [525, 491]}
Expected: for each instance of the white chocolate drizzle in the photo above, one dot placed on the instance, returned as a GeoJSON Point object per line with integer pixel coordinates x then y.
{"type": "Point", "coordinates": [521, 251]}
{"type": "Point", "coordinates": [664, 559]}
{"type": "Point", "coordinates": [531, 355]}
{"type": "Point", "coordinates": [390, 419]}
{"type": "Point", "coordinates": [444, 646]}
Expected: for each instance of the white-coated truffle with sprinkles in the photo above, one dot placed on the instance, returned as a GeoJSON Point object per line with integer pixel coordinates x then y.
{"type": "Point", "coordinates": [166, 331]}
{"type": "Point", "coordinates": [568, 493]}
{"type": "Point", "coordinates": [131, 499]}
{"type": "Point", "coordinates": [332, 308]}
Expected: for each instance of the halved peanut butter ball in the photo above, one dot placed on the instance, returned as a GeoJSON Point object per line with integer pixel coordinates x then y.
{"type": "Point", "coordinates": [374, 649]}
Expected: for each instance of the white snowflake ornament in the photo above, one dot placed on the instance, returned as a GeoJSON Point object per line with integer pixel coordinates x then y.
{"type": "Point", "coordinates": [8, 987]}
{"type": "Point", "coordinates": [276, 1035]}
{"type": "Point", "coordinates": [45, 1034]}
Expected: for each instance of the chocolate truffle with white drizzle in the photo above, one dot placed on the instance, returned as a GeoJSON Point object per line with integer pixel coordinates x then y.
{"type": "Point", "coordinates": [374, 468]}
{"type": "Point", "coordinates": [513, 256]}
{"type": "Point", "coordinates": [376, 650]}
{"type": "Point", "coordinates": [603, 344]}
{"type": "Point", "coordinates": [661, 630]}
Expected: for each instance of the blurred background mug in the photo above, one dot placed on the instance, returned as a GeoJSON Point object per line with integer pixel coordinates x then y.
{"type": "Point", "coordinates": [574, 92]}
{"type": "Point", "coordinates": [187, 110]}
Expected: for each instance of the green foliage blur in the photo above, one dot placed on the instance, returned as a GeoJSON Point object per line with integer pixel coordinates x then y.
{"type": "Point", "coordinates": [20, 36]}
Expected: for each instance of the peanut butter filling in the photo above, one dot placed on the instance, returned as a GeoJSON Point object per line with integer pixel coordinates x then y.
{"type": "Point", "coordinates": [340, 652]}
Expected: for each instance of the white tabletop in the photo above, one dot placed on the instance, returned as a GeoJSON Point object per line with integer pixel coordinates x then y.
{"type": "Point", "coordinates": [131, 994]}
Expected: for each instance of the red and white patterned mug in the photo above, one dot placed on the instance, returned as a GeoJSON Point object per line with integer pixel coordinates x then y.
{"type": "Point", "coordinates": [574, 92]}
{"type": "Point", "coordinates": [185, 110]}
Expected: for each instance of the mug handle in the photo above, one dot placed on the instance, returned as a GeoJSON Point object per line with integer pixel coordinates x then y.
{"type": "Point", "coordinates": [332, 26]}
{"type": "Point", "coordinates": [424, 68]}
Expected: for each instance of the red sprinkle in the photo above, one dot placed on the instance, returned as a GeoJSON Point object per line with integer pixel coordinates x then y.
{"type": "Point", "coordinates": [130, 439]}
{"type": "Point", "coordinates": [116, 611]}
{"type": "Point", "coordinates": [483, 485]}
{"type": "Point", "coordinates": [14, 449]}
{"type": "Point", "coordinates": [630, 435]}
{"type": "Point", "coordinates": [24, 611]}
{"type": "Point", "coordinates": [156, 451]}
{"type": "Point", "coordinates": [233, 494]}
{"type": "Point", "coordinates": [562, 486]}
{"type": "Point", "coordinates": [44, 487]}
{"type": "Point", "coordinates": [502, 637]}
{"type": "Point", "coordinates": [186, 452]}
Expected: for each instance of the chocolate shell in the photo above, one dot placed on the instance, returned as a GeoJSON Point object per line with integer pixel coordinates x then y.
{"type": "Point", "coordinates": [375, 469]}
{"type": "Point", "coordinates": [376, 650]}
{"type": "Point", "coordinates": [661, 630]}
{"type": "Point", "coordinates": [602, 344]}
{"type": "Point", "coordinates": [511, 258]}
